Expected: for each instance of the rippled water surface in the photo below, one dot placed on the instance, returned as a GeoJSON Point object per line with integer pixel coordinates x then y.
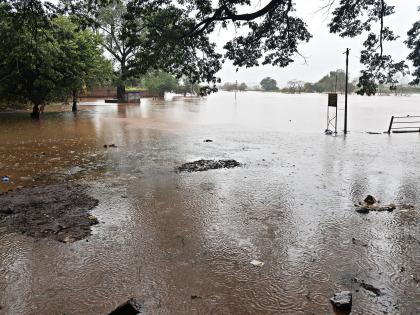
{"type": "Point", "coordinates": [182, 242]}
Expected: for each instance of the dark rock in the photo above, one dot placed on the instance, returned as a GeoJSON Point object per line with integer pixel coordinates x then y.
{"type": "Point", "coordinates": [208, 140]}
{"type": "Point", "coordinates": [105, 146]}
{"type": "Point", "coordinates": [205, 165]}
{"type": "Point", "coordinates": [342, 300]}
{"type": "Point", "coordinates": [131, 307]}
{"type": "Point", "coordinates": [363, 209]}
{"type": "Point", "coordinates": [370, 200]}
{"type": "Point", "coordinates": [193, 297]}
{"type": "Point", "coordinates": [112, 146]}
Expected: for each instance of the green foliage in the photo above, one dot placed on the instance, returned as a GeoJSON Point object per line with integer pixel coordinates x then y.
{"type": "Point", "coordinates": [242, 87]}
{"type": "Point", "coordinates": [159, 82]}
{"type": "Point", "coordinates": [82, 63]}
{"type": "Point", "coordinates": [413, 42]}
{"type": "Point", "coordinates": [186, 87]}
{"type": "Point", "coordinates": [335, 81]}
{"type": "Point", "coordinates": [269, 84]}
{"type": "Point", "coordinates": [354, 17]}
{"type": "Point", "coordinates": [45, 57]}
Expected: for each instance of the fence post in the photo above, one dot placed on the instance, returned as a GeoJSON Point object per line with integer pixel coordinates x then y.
{"type": "Point", "coordinates": [390, 124]}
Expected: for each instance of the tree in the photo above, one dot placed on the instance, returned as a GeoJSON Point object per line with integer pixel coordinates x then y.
{"type": "Point", "coordinates": [187, 87]}
{"type": "Point", "coordinates": [83, 64]}
{"type": "Point", "coordinates": [242, 87]}
{"type": "Point", "coordinates": [43, 57]}
{"type": "Point", "coordinates": [274, 32]}
{"type": "Point", "coordinates": [294, 86]}
{"type": "Point", "coordinates": [413, 42]}
{"type": "Point", "coordinates": [269, 84]}
{"type": "Point", "coordinates": [27, 54]}
{"type": "Point", "coordinates": [159, 82]}
{"type": "Point", "coordinates": [120, 37]}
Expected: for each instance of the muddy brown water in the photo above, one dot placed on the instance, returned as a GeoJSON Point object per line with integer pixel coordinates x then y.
{"type": "Point", "coordinates": [182, 243]}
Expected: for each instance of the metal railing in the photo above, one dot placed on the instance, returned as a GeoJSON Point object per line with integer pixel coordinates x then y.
{"type": "Point", "coordinates": [402, 122]}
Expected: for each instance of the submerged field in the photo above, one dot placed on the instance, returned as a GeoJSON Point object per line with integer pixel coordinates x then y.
{"type": "Point", "coordinates": [183, 242]}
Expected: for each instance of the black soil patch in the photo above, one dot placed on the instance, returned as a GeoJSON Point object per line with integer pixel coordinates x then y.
{"type": "Point", "coordinates": [205, 165]}
{"type": "Point", "coordinates": [59, 212]}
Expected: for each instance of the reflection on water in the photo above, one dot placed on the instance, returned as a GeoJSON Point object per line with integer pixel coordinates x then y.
{"type": "Point", "coordinates": [165, 237]}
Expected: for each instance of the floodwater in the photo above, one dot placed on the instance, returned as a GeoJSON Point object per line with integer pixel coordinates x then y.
{"type": "Point", "coordinates": [182, 243]}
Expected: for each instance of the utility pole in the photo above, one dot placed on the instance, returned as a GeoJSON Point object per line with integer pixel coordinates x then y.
{"type": "Point", "coordinates": [236, 88]}
{"type": "Point", "coordinates": [347, 90]}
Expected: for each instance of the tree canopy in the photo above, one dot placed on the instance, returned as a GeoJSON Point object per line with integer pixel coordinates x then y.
{"type": "Point", "coordinates": [269, 84]}
{"type": "Point", "coordinates": [274, 32]}
{"type": "Point", "coordinates": [44, 57]}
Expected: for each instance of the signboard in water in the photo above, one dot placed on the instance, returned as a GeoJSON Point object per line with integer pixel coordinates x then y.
{"type": "Point", "coordinates": [332, 99]}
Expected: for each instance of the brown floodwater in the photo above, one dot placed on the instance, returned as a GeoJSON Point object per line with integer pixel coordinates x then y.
{"type": "Point", "coordinates": [182, 243]}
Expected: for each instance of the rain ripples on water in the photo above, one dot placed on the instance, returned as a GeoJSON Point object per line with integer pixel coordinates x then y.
{"type": "Point", "coordinates": [182, 243]}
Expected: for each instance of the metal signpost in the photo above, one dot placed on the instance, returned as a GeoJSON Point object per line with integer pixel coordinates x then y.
{"type": "Point", "coordinates": [332, 113]}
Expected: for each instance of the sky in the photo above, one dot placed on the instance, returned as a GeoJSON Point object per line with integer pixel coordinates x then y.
{"type": "Point", "coordinates": [325, 51]}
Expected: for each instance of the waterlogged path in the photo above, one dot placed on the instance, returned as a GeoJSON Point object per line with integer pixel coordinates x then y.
{"type": "Point", "coordinates": [182, 243]}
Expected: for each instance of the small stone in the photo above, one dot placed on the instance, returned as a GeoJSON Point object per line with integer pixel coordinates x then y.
{"type": "Point", "coordinates": [105, 146]}
{"type": "Point", "coordinates": [370, 200]}
{"type": "Point", "coordinates": [131, 307]}
{"type": "Point", "coordinates": [208, 140]}
{"type": "Point", "coordinates": [342, 300]}
{"type": "Point", "coordinates": [93, 220]}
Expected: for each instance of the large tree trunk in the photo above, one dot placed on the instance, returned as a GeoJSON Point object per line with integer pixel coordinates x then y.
{"type": "Point", "coordinates": [74, 107]}
{"type": "Point", "coordinates": [121, 96]}
{"type": "Point", "coordinates": [35, 112]}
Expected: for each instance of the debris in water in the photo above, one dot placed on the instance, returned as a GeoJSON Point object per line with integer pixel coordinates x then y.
{"type": "Point", "coordinates": [110, 146]}
{"type": "Point", "coordinates": [372, 204]}
{"type": "Point", "coordinates": [368, 287]}
{"type": "Point", "coordinates": [342, 301]}
{"type": "Point", "coordinates": [131, 307]}
{"type": "Point", "coordinates": [257, 263]}
{"type": "Point", "coordinates": [204, 165]}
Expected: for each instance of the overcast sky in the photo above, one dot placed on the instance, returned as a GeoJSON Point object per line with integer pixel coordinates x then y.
{"type": "Point", "coordinates": [325, 51]}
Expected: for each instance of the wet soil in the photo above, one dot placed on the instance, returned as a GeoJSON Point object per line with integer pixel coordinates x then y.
{"type": "Point", "coordinates": [205, 165]}
{"type": "Point", "coordinates": [58, 211]}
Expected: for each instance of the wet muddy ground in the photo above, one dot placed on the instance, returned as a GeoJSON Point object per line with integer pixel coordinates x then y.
{"type": "Point", "coordinates": [183, 242]}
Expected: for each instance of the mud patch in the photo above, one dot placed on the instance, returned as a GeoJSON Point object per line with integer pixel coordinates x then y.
{"type": "Point", "coordinates": [205, 165]}
{"type": "Point", "coordinates": [59, 212]}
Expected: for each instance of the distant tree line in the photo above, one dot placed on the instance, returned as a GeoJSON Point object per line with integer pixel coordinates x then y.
{"type": "Point", "coordinates": [335, 81]}
{"type": "Point", "coordinates": [228, 86]}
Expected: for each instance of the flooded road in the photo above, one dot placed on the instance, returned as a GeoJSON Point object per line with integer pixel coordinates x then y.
{"type": "Point", "coordinates": [182, 243]}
